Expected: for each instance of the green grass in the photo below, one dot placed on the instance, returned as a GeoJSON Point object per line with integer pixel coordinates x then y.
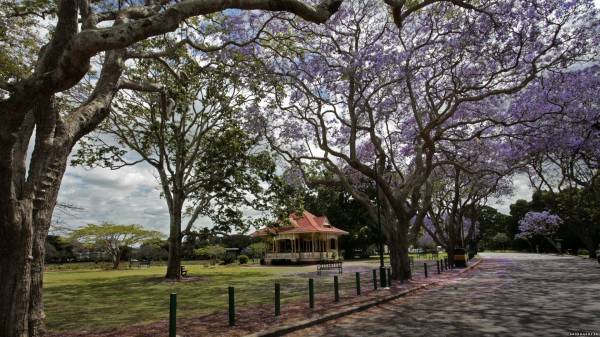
{"type": "Point", "coordinates": [85, 296]}
{"type": "Point", "coordinates": [87, 299]}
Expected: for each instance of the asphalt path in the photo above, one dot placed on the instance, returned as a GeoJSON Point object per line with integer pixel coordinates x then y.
{"type": "Point", "coordinates": [506, 295]}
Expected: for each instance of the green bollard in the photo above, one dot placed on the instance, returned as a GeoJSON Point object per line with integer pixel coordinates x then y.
{"type": "Point", "coordinates": [389, 277]}
{"type": "Point", "coordinates": [375, 279]}
{"type": "Point", "coordinates": [173, 315]}
{"type": "Point", "coordinates": [438, 266]}
{"type": "Point", "coordinates": [277, 299]}
{"type": "Point", "coordinates": [231, 306]}
{"type": "Point", "coordinates": [311, 293]}
{"type": "Point", "coordinates": [382, 277]}
{"type": "Point", "coordinates": [425, 266]}
{"type": "Point", "coordinates": [357, 284]}
{"type": "Point", "coordinates": [336, 288]}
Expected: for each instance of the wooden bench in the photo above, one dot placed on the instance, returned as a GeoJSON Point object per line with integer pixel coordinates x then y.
{"type": "Point", "coordinates": [184, 271]}
{"type": "Point", "coordinates": [329, 265]}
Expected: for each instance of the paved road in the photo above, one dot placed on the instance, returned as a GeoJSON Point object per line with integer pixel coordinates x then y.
{"type": "Point", "coordinates": [506, 295]}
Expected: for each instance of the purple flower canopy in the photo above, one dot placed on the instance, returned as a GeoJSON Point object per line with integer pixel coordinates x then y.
{"type": "Point", "coordinates": [538, 223]}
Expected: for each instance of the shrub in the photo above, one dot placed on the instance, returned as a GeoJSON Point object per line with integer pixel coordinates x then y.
{"type": "Point", "coordinates": [227, 259]}
{"type": "Point", "coordinates": [583, 252]}
{"type": "Point", "coordinates": [243, 259]}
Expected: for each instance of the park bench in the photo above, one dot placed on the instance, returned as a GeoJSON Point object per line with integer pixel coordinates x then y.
{"type": "Point", "coordinates": [329, 265]}
{"type": "Point", "coordinates": [184, 271]}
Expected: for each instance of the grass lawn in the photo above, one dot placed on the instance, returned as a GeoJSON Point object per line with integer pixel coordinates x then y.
{"type": "Point", "coordinates": [80, 298]}
{"type": "Point", "coordinates": [87, 299]}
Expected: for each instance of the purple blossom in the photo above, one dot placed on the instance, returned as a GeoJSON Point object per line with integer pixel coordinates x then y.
{"type": "Point", "coordinates": [538, 223]}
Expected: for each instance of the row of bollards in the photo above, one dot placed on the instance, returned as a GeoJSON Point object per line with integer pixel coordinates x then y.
{"type": "Point", "coordinates": [442, 265]}
{"type": "Point", "coordinates": [386, 281]}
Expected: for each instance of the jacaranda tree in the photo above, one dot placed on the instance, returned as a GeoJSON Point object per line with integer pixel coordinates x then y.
{"type": "Point", "coordinates": [362, 95]}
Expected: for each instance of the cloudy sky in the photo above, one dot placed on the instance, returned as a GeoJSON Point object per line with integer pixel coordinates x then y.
{"type": "Point", "coordinates": [131, 196]}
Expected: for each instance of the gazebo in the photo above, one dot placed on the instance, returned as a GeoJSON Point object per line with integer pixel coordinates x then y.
{"type": "Point", "coordinates": [307, 238]}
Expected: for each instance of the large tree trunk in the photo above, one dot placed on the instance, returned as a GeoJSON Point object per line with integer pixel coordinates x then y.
{"type": "Point", "coordinates": [174, 262]}
{"type": "Point", "coordinates": [42, 219]}
{"type": "Point", "coordinates": [16, 240]}
{"type": "Point", "coordinates": [397, 240]}
{"type": "Point", "coordinates": [16, 225]}
{"type": "Point", "coordinates": [116, 261]}
{"type": "Point", "coordinates": [23, 242]}
{"type": "Point", "coordinates": [399, 258]}
{"type": "Point", "coordinates": [27, 199]}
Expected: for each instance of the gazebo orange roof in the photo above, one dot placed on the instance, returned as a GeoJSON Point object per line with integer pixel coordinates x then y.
{"type": "Point", "coordinates": [305, 223]}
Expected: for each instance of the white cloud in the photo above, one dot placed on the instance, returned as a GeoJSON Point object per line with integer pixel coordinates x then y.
{"type": "Point", "coordinates": [128, 196]}
{"type": "Point", "coordinates": [521, 190]}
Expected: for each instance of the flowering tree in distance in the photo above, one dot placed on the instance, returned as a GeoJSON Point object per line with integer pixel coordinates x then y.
{"type": "Point", "coordinates": [539, 224]}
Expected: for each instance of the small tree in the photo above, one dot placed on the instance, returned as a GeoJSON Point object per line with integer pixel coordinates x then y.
{"type": "Point", "coordinates": [212, 251]}
{"type": "Point", "coordinates": [256, 250]}
{"type": "Point", "coordinates": [500, 240]}
{"type": "Point", "coordinates": [111, 238]}
{"type": "Point", "coordinates": [539, 223]}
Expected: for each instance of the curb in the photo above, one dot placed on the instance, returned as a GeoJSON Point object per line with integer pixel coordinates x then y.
{"type": "Point", "coordinates": [285, 329]}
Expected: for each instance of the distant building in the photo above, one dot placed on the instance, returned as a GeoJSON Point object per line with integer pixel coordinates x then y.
{"type": "Point", "coordinates": [307, 238]}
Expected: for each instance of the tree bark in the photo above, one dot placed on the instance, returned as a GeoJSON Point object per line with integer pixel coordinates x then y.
{"type": "Point", "coordinates": [27, 199]}
{"type": "Point", "coordinates": [397, 241]}
{"type": "Point", "coordinates": [174, 261]}
{"type": "Point", "coordinates": [116, 261]}
{"type": "Point", "coordinates": [399, 258]}
{"type": "Point", "coordinates": [22, 304]}
{"type": "Point", "coordinates": [16, 241]}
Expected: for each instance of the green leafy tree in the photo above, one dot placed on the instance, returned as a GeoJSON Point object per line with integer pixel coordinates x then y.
{"type": "Point", "coordinates": [213, 252]}
{"type": "Point", "coordinates": [580, 210]}
{"type": "Point", "coordinates": [111, 238]}
{"type": "Point", "coordinates": [491, 222]}
{"type": "Point", "coordinates": [58, 249]}
{"type": "Point", "coordinates": [256, 250]}
{"type": "Point", "coordinates": [500, 240]}
{"type": "Point", "coordinates": [154, 249]}
{"type": "Point", "coordinates": [192, 135]}
{"type": "Point", "coordinates": [77, 38]}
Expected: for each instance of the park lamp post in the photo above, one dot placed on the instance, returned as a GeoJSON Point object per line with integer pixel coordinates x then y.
{"type": "Point", "coordinates": [382, 273]}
